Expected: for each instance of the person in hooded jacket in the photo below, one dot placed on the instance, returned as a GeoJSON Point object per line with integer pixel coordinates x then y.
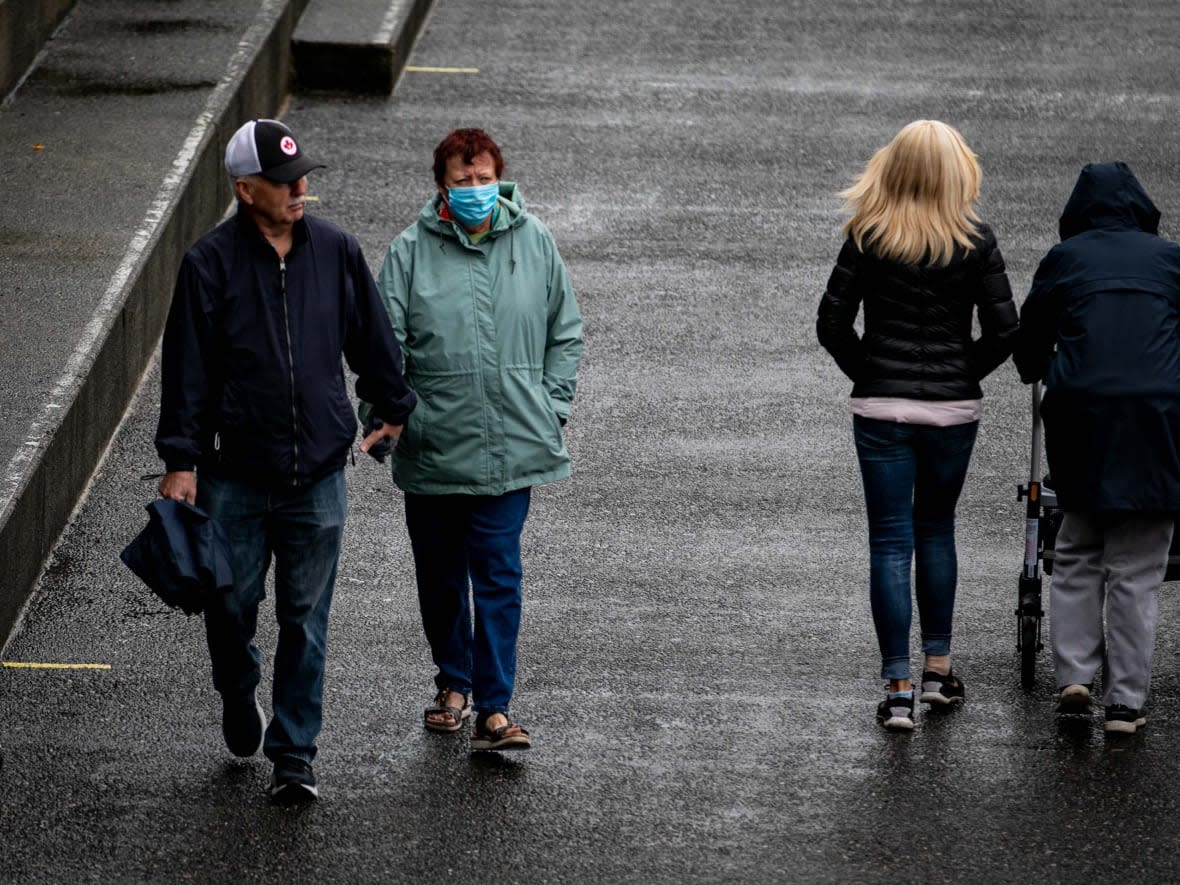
{"type": "Point", "coordinates": [922, 264]}
{"type": "Point", "coordinates": [492, 336]}
{"type": "Point", "coordinates": [1101, 328]}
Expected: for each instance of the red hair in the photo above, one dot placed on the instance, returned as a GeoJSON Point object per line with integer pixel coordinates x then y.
{"type": "Point", "coordinates": [468, 144]}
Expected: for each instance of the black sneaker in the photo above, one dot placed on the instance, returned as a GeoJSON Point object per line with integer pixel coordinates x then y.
{"type": "Point", "coordinates": [293, 782]}
{"type": "Point", "coordinates": [1121, 719]}
{"type": "Point", "coordinates": [941, 690]}
{"type": "Point", "coordinates": [896, 713]}
{"type": "Point", "coordinates": [242, 725]}
{"type": "Point", "coordinates": [1075, 700]}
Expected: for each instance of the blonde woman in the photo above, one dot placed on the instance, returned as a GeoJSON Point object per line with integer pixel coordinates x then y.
{"type": "Point", "coordinates": [922, 263]}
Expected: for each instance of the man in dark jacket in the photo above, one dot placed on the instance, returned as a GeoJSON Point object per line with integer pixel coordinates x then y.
{"type": "Point", "coordinates": [254, 404]}
{"type": "Point", "coordinates": [1101, 327]}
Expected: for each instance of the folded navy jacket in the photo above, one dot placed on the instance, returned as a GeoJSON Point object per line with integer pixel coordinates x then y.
{"type": "Point", "coordinates": [182, 555]}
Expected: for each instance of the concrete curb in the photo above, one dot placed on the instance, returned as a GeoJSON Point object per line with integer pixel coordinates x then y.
{"type": "Point", "coordinates": [44, 481]}
{"type": "Point", "coordinates": [356, 45]}
{"type": "Point", "coordinates": [25, 25]}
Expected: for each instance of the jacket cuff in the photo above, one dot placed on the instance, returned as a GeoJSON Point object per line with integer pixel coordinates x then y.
{"type": "Point", "coordinates": [179, 467]}
{"type": "Point", "coordinates": [396, 412]}
{"type": "Point", "coordinates": [379, 415]}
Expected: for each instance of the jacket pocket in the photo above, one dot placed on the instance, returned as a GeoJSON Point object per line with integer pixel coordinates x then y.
{"type": "Point", "coordinates": [449, 439]}
{"type": "Point", "coordinates": [229, 435]}
{"type": "Point", "coordinates": [532, 430]}
{"type": "Point", "coordinates": [409, 444]}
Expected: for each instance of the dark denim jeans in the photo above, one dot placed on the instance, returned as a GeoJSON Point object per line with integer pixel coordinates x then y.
{"type": "Point", "coordinates": [301, 530]}
{"type": "Point", "coordinates": [459, 539]}
{"type": "Point", "coordinates": [913, 474]}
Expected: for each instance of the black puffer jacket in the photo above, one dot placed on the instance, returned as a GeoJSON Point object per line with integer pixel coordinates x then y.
{"type": "Point", "coordinates": [917, 342]}
{"type": "Point", "coordinates": [1101, 326]}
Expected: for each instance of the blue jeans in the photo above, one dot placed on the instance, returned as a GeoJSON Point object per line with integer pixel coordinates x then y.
{"type": "Point", "coordinates": [300, 528]}
{"type": "Point", "coordinates": [913, 474]}
{"type": "Point", "coordinates": [459, 539]}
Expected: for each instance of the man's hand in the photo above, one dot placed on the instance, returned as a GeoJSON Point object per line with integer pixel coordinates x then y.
{"type": "Point", "coordinates": [381, 439]}
{"type": "Point", "coordinates": [180, 485]}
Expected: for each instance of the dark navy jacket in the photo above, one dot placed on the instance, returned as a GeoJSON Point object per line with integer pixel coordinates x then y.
{"type": "Point", "coordinates": [182, 555]}
{"type": "Point", "coordinates": [253, 385]}
{"type": "Point", "coordinates": [1101, 327]}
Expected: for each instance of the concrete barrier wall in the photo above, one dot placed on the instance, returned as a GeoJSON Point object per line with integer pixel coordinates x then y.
{"type": "Point", "coordinates": [59, 471]}
{"type": "Point", "coordinates": [25, 25]}
{"type": "Point", "coordinates": [356, 45]}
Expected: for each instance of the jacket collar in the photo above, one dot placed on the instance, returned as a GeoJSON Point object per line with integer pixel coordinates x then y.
{"type": "Point", "coordinates": [249, 229]}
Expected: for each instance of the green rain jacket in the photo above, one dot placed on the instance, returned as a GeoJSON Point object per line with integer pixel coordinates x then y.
{"type": "Point", "coordinates": [492, 336]}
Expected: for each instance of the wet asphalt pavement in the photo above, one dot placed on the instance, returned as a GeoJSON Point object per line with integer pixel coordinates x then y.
{"type": "Point", "coordinates": [697, 663]}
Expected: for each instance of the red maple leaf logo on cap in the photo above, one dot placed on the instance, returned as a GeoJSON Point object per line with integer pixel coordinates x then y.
{"type": "Point", "coordinates": [287, 146]}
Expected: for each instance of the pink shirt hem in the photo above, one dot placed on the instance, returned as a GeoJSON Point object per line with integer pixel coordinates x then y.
{"type": "Point", "coordinates": [935, 413]}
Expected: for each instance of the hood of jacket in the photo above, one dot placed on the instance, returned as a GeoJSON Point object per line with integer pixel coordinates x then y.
{"type": "Point", "coordinates": [510, 214]}
{"type": "Point", "coordinates": [1108, 196]}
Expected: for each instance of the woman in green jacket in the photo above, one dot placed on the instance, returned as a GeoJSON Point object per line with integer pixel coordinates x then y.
{"type": "Point", "coordinates": [484, 311]}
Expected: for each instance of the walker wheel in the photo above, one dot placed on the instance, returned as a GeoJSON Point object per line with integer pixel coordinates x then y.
{"type": "Point", "coordinates": [1029, 645]}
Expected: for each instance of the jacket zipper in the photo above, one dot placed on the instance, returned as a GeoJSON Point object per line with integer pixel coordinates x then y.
{"type": "Point", "coordinates": [291, 365]}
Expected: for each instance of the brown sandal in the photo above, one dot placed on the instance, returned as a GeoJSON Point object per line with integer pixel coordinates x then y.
{"type": "Point", "coordinates": [440, 708]}
{"type": "Point", "coordinates": [484, 738]}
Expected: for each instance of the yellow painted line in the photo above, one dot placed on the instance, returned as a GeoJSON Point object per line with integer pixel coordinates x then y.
{"type": "Point", "coordinates": [415, 69]}
{"type": "Point", "coordinates": [26, 665]}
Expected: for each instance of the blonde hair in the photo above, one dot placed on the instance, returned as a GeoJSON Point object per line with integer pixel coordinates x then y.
{"type": "Point", "coordinates": [915, 200]}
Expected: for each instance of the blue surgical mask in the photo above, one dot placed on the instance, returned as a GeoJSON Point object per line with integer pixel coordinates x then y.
{"type": "Point", "coordinates": [470, 206]}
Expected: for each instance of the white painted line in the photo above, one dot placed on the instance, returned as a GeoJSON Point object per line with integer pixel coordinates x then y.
{"type": "Point", "coordinates": [28, 665]}
{"type": "Point", "coordinates": [417, 69]}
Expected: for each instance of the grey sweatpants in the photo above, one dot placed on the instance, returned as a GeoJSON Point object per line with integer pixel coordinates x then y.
{"type": "Point", "coordinates": [1111, 565]}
